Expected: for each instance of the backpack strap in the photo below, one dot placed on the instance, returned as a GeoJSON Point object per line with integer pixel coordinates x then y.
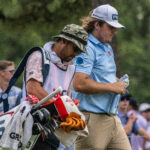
{"type": "Point", "coordinates": [20, 69]}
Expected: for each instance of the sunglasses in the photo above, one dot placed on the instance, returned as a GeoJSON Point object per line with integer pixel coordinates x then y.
{"type": "Point", "coordinates": [77, 50]}
{"type": "Point", "coordinates": [127, 98]}
{"type": "Point", "coordinates": [11, 71]}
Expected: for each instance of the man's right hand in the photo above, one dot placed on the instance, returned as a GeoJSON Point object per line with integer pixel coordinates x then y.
{"type": "Point", "coordinates": [118, 87]}
{"type": "Point", "coordinates": [133, 117]}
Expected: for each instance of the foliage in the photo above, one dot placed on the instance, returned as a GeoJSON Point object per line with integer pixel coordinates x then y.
{"type": "Point", "coordinates": [134, 45]}
{"type": "Point", "coordinates": [28, 23]}
{"type": "Point", "coordinates": [24, 23]}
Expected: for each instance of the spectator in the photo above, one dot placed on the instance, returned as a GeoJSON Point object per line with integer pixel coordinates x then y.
{"type": "Point", "coordinates": [137, 141]}
{"type": "Point", "coordinates": [7, 69]}
{"type": "Point", "coordinates": [128, 123]}
{"type": "Point", "coordinates": [133, 105]}
{"type": "Point", "coordinates": [96, 84]}
{"type": "Point", "coordinates": [128, 119]}
{"type": "Point", "coordinates": [147, 144]}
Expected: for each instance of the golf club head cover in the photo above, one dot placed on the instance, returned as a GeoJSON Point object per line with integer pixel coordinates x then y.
{"type": "Point", "coordinates": [62, 107]}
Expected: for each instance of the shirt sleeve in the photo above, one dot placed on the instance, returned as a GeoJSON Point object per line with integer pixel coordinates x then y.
{"type": "Point", "coordinates": [34, 67]}
{"type": "Point", "coordinates": [84, 63]}
{"type": "Point", "coordinates": [135, 128]}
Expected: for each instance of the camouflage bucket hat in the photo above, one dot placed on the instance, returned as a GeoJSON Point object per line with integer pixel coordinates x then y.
{"type": "Point", "coordinates": [76, 34]}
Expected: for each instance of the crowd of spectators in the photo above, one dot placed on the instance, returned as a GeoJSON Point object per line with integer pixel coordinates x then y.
{"type": "Point", "coordinates": [135, 119]}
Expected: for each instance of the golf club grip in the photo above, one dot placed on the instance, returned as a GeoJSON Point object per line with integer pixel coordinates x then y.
{"type": "Point", "coordinates": [45, 99]}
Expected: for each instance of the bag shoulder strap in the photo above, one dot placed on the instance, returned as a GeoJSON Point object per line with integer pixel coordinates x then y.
{"type": "Point", "coordinates": [20, 69]}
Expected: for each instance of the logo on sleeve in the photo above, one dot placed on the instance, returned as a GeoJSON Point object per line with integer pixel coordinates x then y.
{"type": "Point", "coordinates": [30, 73]}
{"type": "Point", "coordinates": [79, 61]}
{"type": "Point", "coordinates": [109, 52]}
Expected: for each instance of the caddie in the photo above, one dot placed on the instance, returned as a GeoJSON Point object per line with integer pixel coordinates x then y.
{"type": "Point", "coordinates": [69, 43]}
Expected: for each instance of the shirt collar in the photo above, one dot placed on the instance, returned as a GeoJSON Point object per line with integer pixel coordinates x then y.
{"type": "Point", "coordinates": [54, 58]}
{"type": "Point", "coordinates": [121, 114]}
{"type": "Point", "coordinates": [95, 41]}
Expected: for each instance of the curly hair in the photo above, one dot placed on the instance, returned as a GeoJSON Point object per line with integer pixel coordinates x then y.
{"type": "Point", "coordinates": [88, 22]}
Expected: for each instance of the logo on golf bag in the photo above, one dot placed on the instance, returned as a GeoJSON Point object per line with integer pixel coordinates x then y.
{"type": "Point", "coordinates": [15, 136]}
{"type": "Point", "coordinates": [4, 119]}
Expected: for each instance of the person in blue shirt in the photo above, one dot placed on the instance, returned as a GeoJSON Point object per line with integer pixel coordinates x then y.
{"type": "Point", "coordinates": [7, 69]}
{"type": "Point", "coordinates": [96, 85]}
{"type": "Point", "coordinates": [128, 120]}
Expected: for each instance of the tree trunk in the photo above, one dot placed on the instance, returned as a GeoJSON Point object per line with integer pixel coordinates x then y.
{"type": "Point", "coordinates": [117, 56]}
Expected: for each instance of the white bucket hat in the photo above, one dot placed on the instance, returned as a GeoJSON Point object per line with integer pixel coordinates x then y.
{"type": "Point", "coordinates": [108, 14]}
{"type": "Point", "coordinates": [144, 107]}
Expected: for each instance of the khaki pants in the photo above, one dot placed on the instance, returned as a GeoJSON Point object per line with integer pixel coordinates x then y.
{"type": "Point", "coordinates": [105, 133]}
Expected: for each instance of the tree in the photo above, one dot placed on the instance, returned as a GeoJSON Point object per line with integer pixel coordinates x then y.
{"type": "Point", "coordinates": [24, 24]}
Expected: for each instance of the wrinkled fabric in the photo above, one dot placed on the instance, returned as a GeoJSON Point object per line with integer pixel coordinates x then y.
{"type": "Point", "coordinates": [19, 129]}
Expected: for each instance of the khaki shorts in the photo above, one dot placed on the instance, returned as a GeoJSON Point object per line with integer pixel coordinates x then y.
{"type": "Point", "coordinates": [105, 133]}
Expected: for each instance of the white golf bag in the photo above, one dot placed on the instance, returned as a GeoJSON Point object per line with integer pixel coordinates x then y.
{"type": "Point", "coordinates": [21, 127]}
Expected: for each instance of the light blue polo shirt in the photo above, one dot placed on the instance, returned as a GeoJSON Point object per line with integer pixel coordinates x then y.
{"type": "Point", "coordinates": [100, 66]}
